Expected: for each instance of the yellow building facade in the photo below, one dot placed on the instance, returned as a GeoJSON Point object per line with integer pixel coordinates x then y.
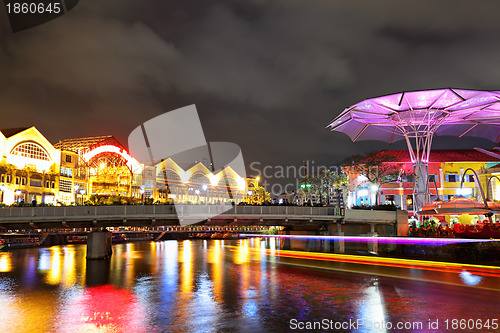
{"type": "Point", "coordinates": [199, 184]}
{"type": "Point", "coordinates": [29, 167]}
{"type": "Point", "coordinates": [32, 170]}
{"type": "Point", "coordinates": [446, 170]}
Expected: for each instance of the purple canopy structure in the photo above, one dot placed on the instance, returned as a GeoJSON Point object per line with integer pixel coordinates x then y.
{"type": "Point", "coordinates": [417, 116]}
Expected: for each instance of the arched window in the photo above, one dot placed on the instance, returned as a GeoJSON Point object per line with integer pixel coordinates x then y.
{"type": "Point", "coordinates": [225, 181]}
{"type": "Point", "coordinates": [172, 176]}
{"type": "Point", "coordinates": [199, 178]}
{"type": "Point", "coordinates": [31, 150]}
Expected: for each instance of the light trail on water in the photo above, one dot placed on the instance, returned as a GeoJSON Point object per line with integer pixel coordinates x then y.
{"type": "Point", "coordinates": [384, 240]}
{"type": "Point", "coordinates": [404, 267]}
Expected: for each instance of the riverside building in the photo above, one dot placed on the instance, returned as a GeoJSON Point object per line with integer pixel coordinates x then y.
{"type": "Point", "coordinates": [33, 170]}
{"type": "Point", "coordinates": [446, 170]}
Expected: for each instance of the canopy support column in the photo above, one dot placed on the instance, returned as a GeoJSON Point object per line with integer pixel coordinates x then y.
{"type": "Point", "coordinates": [420, 158]}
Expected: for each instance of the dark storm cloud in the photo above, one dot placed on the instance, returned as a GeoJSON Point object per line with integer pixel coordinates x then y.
{"type": "Point", "coordinates": [268, 75]}
{"type": "Point", "coordinates": [269, 62]}
{"type": "Point", "coordinates": [416, 38]}
{"type": "Point", "coordinates": [83, 69]}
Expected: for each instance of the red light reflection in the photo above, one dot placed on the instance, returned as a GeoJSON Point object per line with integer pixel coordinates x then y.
{"type": "Point", "coordinates": [104, 309]}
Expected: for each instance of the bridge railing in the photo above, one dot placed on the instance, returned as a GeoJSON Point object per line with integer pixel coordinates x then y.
{"type": "Point", "coordinates": [283, 210]}
{"type": "Point", "coordinates": [71, 211]}
{"type": "Point", "coordinates": [155, 210]}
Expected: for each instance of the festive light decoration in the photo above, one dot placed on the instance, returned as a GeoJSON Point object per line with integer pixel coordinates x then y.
{"type": "Point", "coordinates": [130, 161]}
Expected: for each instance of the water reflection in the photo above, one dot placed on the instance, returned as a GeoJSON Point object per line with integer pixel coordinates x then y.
{"type": "Point", "coordinates": [102, 309]}
{"type": "Point", "coordinates": [220, 285]}
{"type": "Point", "coordinates": [97, 272]}
{"type": "Point", "coordinates": [69, 269]}
{"type": "Point", "coordinates": [130, 254]}
{"type": "Point", "coordinates": [215, 259]}
{"type": "Point", "coordinates": [371, 309]}
{"type": "Point", "coordinates": [5, 262]}
{"type": "Point", "coordinates": [242, 252]}
{"type": "Point", "coordinates": [55, 271]}
{"type": "Point", "coordinates": [185, 257]}
{"type": "Point", "coordinates": [44, 262]}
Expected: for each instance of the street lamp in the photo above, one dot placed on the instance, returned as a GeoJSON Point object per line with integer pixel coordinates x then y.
{"type": "Point", "coordinates": [204, 188]}
{"type": "Point", "coordinates": [82, 192]}
{"type": "Point", "coordinates": [76, 187]}
{"type": "Point", "coordinates": [142, 194]}
{"type": "Point", "coordinates": [374, 189]}
{"type": "Point", "coordinates": [197, 195]}
{"type": "Point", "coordinates": [2, 188]}
{"type": "Point", "coordinates": [18, 193]}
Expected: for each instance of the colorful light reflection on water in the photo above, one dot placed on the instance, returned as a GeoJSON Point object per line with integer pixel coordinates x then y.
{"type": "Point", "coordinates": [217, 285]}
{"type": "Point", "coordinates": [102, 309]}
{"type": "Point", "coordinates": [383, 240]}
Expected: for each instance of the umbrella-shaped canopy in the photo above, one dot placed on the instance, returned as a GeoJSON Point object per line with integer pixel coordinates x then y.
{"type": "Point", "coordinates": [456, 206]}
{"type": "Point", "coordinates": [455, 112]}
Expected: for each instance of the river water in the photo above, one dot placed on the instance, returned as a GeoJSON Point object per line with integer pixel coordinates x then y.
{"type": "Point", "coordinates": [232, 286]}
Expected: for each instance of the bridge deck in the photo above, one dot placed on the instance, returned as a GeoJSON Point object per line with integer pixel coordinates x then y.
{"type": "Point", "coordinates": [85, 216]}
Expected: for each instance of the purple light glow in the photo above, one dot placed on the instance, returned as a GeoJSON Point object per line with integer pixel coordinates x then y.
{"type": "Point", "coordinates": [454, 112]}
{"type": "Point", "coordinates": [386, 240]}
{"type": "Point", "coordinates": [419, 116]}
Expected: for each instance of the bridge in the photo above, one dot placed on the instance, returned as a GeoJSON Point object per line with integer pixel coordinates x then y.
{"type": "Point", "coordinates": [21, 218]}
{"type": "Point", "coordinates": [296, 219]}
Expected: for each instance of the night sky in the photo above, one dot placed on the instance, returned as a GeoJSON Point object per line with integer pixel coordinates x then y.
{"type": "Point", "coordinates": [266, 75]}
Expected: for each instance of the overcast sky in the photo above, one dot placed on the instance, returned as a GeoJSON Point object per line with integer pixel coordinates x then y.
{"type": "Point", "coordinates": [268, 75]}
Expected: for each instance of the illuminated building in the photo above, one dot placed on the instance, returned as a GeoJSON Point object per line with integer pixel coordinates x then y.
{"type": "Point", "coordinates": [446, 168]}
{"type": "Point", "coordinates": [198, 184]}
{"type": "Point", "coordinates": [82, 169]}
{"type": "Point", "coordinates": [490, 180]}
{"type": "Point", "coordinates": [29, 167]}
{"type": "Point", "coordinates": [99, 166]}
{"type": "Point", "coordinates": [104, 167]}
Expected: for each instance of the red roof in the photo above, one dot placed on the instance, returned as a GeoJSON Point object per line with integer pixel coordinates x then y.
{"type": "Point", "coordinates": [442, 155]}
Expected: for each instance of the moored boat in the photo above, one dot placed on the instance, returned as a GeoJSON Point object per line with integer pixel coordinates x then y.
{"type": "Point", "coordinates": [230, 235]}
{"type": "Point", "coordinates": [77, 239]}
{"type": "Point", "coordinates": [17, 241]}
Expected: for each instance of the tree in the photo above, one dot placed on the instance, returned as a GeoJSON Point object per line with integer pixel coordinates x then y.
{"type": "Point", "coordinates": [379, 168]}
{"type": "Point", "coordinates": [258, 195]}
{"type": "Point", "coordinates": [321, 185]}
